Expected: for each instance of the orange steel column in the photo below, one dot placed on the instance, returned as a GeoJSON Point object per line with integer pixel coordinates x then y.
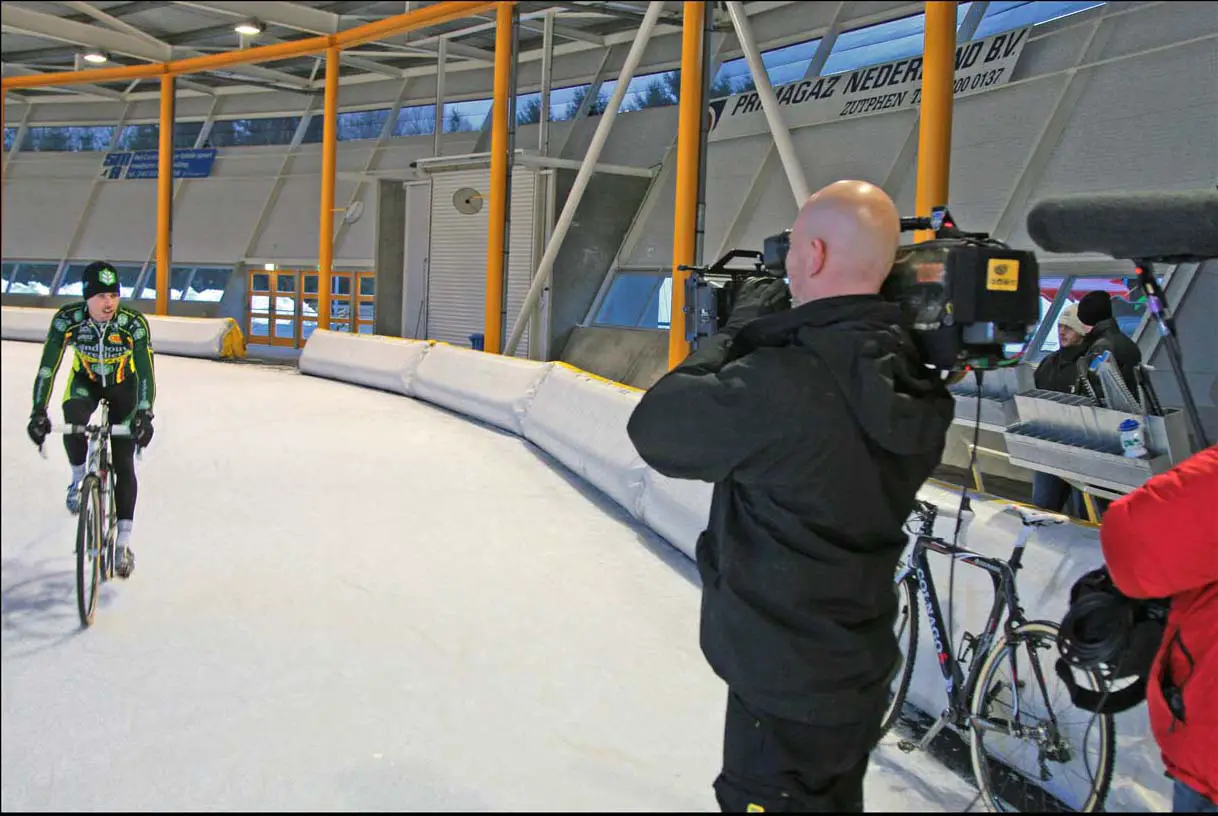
{"type": "Point", "coordinates": [164, 197]}
{"type": "Point", "coordinates": [329, 156]}
{"type": "Point", "coordinates": [688, 136]}
{"type": "Point", "coordinates": [497, 215]}
{"type": "Point", "coordinates": [935, 127]}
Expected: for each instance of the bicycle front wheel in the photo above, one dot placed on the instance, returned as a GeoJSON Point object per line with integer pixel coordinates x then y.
{"type": "Point", "coordinates": [1033, 751]}
{"type": "Point", "coordinates": [88, 548]}
{"type": "Point", "coordinates": [906, 631]}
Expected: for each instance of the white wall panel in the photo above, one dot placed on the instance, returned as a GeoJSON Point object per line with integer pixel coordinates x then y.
{"type": "Point", "coordinates": [862, 149]}
{"type": "Point", "coordinates": [357, 242]}
{"type": "Point", "coordinates": [291, 227]}
{"type": "Point", "coordinates": [123, 221]}
{"type": "Point", "coordinates": [39, 216]}
{"type": "Point", "coordinates": [993, 136]}
{"type": "Point", "coordinates": [43, 166]}
{"type": "Point", "coordinates": [214, 218]}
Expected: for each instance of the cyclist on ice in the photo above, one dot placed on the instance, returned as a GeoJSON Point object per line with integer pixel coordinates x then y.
{"type": "Point", "coordinates": [112, 360]}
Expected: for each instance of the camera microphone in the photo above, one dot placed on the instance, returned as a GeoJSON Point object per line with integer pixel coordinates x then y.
{"type": "Point", "coordinates": [1162, 226]}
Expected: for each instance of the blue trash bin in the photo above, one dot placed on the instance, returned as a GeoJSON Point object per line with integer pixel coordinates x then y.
{"type": "Point", "coordinates": [476, 342]}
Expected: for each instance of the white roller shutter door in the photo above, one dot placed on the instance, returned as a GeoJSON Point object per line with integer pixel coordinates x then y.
{"type": "Point", "coordinates": [457, 272]}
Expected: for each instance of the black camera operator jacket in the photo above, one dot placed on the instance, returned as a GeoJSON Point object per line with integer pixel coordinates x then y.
{"type": "Point", "coordinates": [817, 426]}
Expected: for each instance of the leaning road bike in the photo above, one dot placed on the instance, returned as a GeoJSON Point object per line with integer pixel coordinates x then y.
{"type": "Point", "coordinates": [97, 518]}
{"type": "Point", "coordinates": [1023, 741]}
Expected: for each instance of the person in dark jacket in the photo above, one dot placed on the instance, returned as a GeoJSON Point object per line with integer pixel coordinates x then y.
{"type": "Point", "coordinates": [1095, 310]}
{"type": "Point", "coordinates": [1059, 372]}
{"type": "Point", "coordinates": [817, 422]}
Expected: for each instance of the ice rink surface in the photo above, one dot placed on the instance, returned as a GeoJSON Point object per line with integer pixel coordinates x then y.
{"type": "Point", "coordinates": [348, 600]}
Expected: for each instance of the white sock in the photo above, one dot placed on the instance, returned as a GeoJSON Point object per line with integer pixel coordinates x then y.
{"type": "Point", "coordinates": [78, 474]}
{"type": "Point", "coordinates": [124, 534]}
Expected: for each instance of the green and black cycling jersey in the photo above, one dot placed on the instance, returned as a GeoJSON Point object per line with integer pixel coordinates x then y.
{"type": "Point", "coordinates": [107, 353]}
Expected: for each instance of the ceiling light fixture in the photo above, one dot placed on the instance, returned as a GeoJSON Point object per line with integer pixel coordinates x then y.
{"type": "Point", "coordinates": [96, 57]}
{"type": "Point", "coordinates": [250, 27]}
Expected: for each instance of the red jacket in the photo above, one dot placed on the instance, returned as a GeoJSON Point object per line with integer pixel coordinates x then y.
{"type": "Point", "coordinates": [1161, 541]}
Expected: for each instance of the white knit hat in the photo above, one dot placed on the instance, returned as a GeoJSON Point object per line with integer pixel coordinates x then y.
{"type": "Point", "coordinates": [1069, 319]}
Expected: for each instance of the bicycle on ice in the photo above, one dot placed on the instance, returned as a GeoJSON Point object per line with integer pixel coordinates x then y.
{"type": "Point", "coordinates": [97, 517]}
{"type": "Point", "coordinates": [985, 706]}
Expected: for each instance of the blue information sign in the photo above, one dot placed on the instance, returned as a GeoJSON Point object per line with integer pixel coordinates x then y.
{"type": "Point", "coordinates": [142, 164]}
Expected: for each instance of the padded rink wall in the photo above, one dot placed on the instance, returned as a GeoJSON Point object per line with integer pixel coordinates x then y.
{"type": "Point", "coordinates": [218, 338]}
{"type": "Point", "coordinates": [580, 420]}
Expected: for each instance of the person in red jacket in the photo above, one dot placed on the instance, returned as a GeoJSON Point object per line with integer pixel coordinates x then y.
{"type": "Point", "coordinates": [1161, 541]}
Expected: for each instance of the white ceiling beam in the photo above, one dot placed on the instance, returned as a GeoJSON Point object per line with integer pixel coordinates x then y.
{"type": "Point", "coordinates": [14, 69]}
{"type": "Point", "coordinates": [114, 22]}
{"type": "Point", "coordinates": [566, 32]}
{"type": "Point", "coordinates": [62, 29]}
{"type": "Point", "coordinates": [289, 15]}
{"type": "Point", "coordinates": [455, 49]}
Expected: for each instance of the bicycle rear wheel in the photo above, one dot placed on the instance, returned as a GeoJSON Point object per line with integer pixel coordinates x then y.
{"type": "Point", "coordinates": [1033, 751]}
{"type": "Point", "coordinates": [88, 548]}
{"type": "Point", "coordinates": [906, 630]}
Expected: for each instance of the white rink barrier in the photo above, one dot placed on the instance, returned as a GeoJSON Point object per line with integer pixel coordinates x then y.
{"type": "Point", "coordinates": [212, 338]}
{"type": "Point", "coordinates": [387, 363]}
{"type": "Point", "coordinates": [489, 387]}
{"type": "Point", "coordinates": [597, 447]}
{"type": "Point", "coordinates": [580, 420]}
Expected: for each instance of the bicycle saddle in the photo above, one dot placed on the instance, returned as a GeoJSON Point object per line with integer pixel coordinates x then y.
{"type": "Point", "coordinates": [1033, 517]}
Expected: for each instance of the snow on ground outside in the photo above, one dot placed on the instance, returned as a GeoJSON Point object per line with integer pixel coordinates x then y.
{"type": "Point", "coordinates": [343, 600]}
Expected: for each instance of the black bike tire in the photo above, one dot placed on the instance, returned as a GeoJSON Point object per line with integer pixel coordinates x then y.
{"type": "Point", "coordinates": [88, 537]}
{"type": "Point", "coordinates": [908, 591]}
{"type": "Point", "coordinates": [1103, 776]}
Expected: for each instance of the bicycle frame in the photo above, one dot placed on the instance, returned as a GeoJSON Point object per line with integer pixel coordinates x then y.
{"type": "Point", "coordinates": [1002, 574]}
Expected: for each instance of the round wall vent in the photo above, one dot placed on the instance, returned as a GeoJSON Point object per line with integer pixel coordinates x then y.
{"type": "Point", "coordinates": [468, 201]}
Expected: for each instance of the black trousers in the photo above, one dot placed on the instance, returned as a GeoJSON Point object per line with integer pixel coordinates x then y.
{"type": "Point", "coordinates": [82, 396]}
{"type": "Point", "coordinates": [780, 765]}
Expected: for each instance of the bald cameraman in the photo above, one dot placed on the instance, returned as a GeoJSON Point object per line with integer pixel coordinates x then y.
{"type": "Point", "coordinates": [816, 421]}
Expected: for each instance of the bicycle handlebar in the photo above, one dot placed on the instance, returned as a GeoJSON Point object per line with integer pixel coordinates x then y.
{"type": "Point", "coordinates": [115, 430]}
{"type": "Point", "coordinates": [92, 430]}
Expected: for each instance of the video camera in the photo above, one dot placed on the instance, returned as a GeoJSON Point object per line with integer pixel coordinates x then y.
{"type": "Point", "coordinates": [964, 296]}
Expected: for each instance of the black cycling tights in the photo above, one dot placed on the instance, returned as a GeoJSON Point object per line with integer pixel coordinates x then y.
{"type": "Point", "coordinates": [83, 397]}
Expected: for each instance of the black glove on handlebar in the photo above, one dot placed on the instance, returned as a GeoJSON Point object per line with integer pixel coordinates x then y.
{"type": "Point", "coordinates": [141, 428]}
{"type": "Point", "coordinates": [758, 297]}
{"type": "Point", "coordinates": [39, 427]}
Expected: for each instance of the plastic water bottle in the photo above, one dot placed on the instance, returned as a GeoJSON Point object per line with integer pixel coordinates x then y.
{"type": "Point", "coordinates": [1132, 443]}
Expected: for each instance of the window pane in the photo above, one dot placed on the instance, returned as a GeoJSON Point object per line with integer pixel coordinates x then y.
{"type": "Point", "coordinates": [658, 312]}
{"type": "Point", "coordinates": [185, 134]}
{"type": "Point", "coordinates": [464, 117]}
{"type": "Point", "coordinates": [208, 283]}
{"type": "Point", "coordinates": [128, 274]}
{"type": "Point", "coordinates": [139, 137]}
{"type": "Point", "coordinates": [565, 102]}
{"type": "Point", "coordinates": [273, 130]}
{"type": "Point", "coordinates": [68, 139]}
{"type": "Point", "coordinates": [882, 42]}
{"type": "Point", "coordinates": [528, 109]}
{"type": "Point", "coordinates": [361, 124]}
{"type": "Point", "coordinates": [789, 63]}
{"type": "Point", "coordinates": [1001, 17]}
{"type": "Point", "coordinates": [10, 134]}
{"type": "Point", "coordinates": [178, 278]}
{"type": "Point", "coordinates": [417, 120]}
{"type": "Point", "coordinates": [783, 65]}
{"type": "Point", "coordinates": [314, 131]}
{"type": "Point", "coordinates": [628, 296]}
{"type": "Point", "coordinates": [32, 279]}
